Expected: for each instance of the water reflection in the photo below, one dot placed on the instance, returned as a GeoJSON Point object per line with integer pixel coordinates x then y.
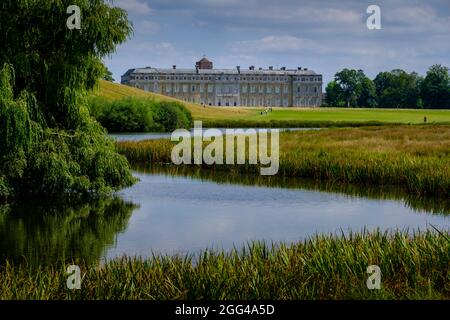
{"type": "Point", "coordinates": [183, 211]}
{"type": "Point", "coordinates": [186, 209]}
{"type": "Point", "coordinates": [439, 206]}
{"type": "Point", "coordinates": [46, 233]}
{"type": "Point", "coordinates": [166, 135]}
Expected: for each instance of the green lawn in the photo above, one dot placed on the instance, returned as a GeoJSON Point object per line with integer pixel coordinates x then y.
{"type": "Point", "coordinates": [351, 114]}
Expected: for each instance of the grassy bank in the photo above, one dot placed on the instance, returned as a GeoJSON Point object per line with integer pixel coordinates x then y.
{"type": "Point", "coordinates": [284, 117]}
{"type": "Point", "coordinates": [415, 158]}
{"type": "Point", "coordinates": [323, 267]}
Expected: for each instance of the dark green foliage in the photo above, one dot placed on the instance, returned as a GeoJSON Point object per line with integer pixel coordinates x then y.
{"type": "Point", "coordinates": [350, 85]}
{"type": "Point", "coordinates": [334, 95]}
{"type": "Point", "coordinates": [172, 115]}
{"type": "Point", "coordinates": [140, 115]}
{"type": "Point", "coordinates": [398, 89]}
{"type": "Point", "coordinates": [49, 144]}
{"type": "Point", "coordinates": [367, 97]}
{"type": "Point", "coordinates": [125, 115]}
{"type": "Point", "coordinates": [393, 89]}
{"type": "Point", "coordinates": [108, 76]}
{"type": "Point", "coordinates": [53, 63]}
{"type": "Point", "coordinates": [436, 88]}
{"type": "Point", "coordinates": [47, 232]}
{"type": "Point", "coordinates": [351, 88]}
{"type": "Point", "coordinates": [38, 160]}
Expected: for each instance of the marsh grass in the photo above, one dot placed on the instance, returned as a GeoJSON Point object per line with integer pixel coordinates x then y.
{"type": "Point", "coordinates": [413, 266]}
{"type": "Point", "coordinates": [414, 158]}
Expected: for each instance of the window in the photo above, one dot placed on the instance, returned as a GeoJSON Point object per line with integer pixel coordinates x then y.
{"type": "Point", "coordinates": [168, 88]}
{"type": "Point", "coordinates": [185, 88]}
{"type": "Point", "coordinates": [210, 88]}
{"type": "Point", "coordinates": [277, 90]}
{"type": "Point", "coordinates": [244, 89]}
{"type": "Point", "coordinates": [202, 88]}
{"type": "Point", "coordinates": [261, 89]}
{"type": "Point", "coordinates": [193, 88]}
{"type": "Point", "coordinates": [269, 89]}
{"type": "Point", "coordinates": [286, 89]}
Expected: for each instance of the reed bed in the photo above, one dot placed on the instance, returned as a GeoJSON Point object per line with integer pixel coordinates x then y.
{"type": "Point", "coordinates": [414, 158]}
{"type": "Point", "coordinates": [413, 266]}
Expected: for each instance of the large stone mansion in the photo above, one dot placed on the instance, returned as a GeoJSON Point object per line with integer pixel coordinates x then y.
{"type": "Point", "coordinates": [231, 87]}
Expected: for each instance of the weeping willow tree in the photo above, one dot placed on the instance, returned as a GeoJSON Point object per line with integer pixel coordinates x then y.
{"type": "Point", "coordinates": [49, 144]}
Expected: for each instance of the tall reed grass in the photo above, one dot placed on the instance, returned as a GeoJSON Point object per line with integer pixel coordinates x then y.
{"type": "Point", "coordinates": [415, 158]}
{"type": "Point", "coordinates": [323, 267]}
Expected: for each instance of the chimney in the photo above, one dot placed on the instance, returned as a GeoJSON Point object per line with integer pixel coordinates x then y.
{"type": "Point", "coordinates": [299, 68]}
{"type": "Point", "coordinates": [260, 68]}
{"type": "Point", "coordinates": [283, 68]}
{"type": "Point", "coordinates": [238, 69]}
{"type": "Point", "coordinates": [251, 68]}
{"type": "Point", "coordinates": [174, 67]}
{"type": "Point", "coordinates": [271, 68]}
{"type": "Point", "coordinates": [196, 69]}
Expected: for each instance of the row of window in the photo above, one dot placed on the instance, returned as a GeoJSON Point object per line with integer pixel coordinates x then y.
{"type": "Point", "coordinates": [228, 78]}
{"type": "Point", "coordinates": [252, 102]}
{"type": "Point", "coordinates": [185, 88]}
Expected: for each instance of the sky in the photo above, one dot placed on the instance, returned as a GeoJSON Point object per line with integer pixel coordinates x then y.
{"type": "Point", "coordinates": [323, 35]}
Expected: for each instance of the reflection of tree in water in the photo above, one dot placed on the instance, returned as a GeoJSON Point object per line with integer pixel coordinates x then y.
{"type": "Point", "coordinates": [431, 204]}
{"type": "Point", "coordinates": [47, 233]}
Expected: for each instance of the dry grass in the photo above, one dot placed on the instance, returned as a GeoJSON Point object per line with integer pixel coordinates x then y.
{"type": "Point", "coordinates": [415, 158]}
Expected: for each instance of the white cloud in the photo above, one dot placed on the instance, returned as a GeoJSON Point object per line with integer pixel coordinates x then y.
{"type": "Point", "coordinates": [285, 43]}
{"type": "Point", "coordinates": [147, 27]}
{"type": "Point", "coordinates": [134, 6]}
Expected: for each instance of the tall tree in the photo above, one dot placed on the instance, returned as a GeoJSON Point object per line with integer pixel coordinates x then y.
{"type": "Point", "coordinates": [48, 70]}
{"type": "Point", "coordinates": [398, 89]}
{"type": "Point", "coordinates": [334, 95]}
{"type": "Point", "coordinates": [368, 96]}
{"type": "Point", "coordinates": [350, 83]}
{"type": "Point", "coordinates": [55, 64]}
{"type": "Point", "coordinates": [436, 88]}
{"type": "Point", "coordinates": [108, 75]}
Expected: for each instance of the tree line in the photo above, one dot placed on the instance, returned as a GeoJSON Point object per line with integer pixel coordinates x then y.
{"type": "Point", "coordinates": [390, 89]}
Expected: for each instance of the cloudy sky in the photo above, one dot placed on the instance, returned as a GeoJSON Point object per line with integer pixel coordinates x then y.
{"type": "Point", "coordinates": [322, 35]}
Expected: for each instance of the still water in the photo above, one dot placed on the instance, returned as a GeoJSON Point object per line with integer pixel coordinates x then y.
{"type": "Point", "coordinates": [173, 210]}
{"type": "Point", "coordinates": [166, 135]}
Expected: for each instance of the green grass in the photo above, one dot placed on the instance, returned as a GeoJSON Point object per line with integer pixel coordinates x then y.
{"type": "Point", "coordinates": [414, 158]}
{"type": "Point", "coordinates": [323, 267]}
{"type": "Point", "coordinates": [285, 117]}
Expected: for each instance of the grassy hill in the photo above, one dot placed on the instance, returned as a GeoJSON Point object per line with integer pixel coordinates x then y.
{"type": "Point", "coordinates": [284, 117]}
{"type": "Point", "coordinates": [113, 91]}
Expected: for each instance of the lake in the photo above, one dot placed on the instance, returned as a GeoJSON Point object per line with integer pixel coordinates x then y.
{"type": "Point", "coordinates": [172, 210]}
{"type": "Point", "coordinates": [167, 135]}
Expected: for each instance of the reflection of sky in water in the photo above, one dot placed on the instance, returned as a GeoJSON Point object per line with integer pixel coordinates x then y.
{"type": "Point", "coordinates": [180, 214]}
{"type": "Point", "coordinates": [167, 135]}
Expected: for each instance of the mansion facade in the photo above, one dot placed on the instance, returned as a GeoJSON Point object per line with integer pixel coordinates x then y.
{"type": "Point", "coordinates": [231, 87]}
